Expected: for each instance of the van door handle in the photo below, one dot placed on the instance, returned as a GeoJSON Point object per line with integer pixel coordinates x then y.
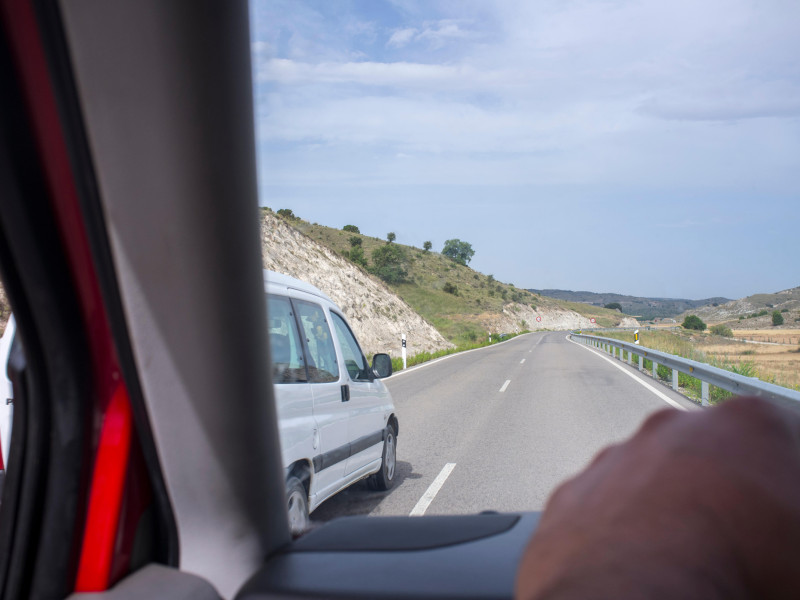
{"type": "Point", "coordinates": [345, 393]}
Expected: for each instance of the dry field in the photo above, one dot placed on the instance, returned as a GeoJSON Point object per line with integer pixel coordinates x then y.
{"type": "Point", "coordinates": [776, 361]}
{"type": "Point", "coordinates": [778, 358]}
{"type": "Point", "coordinates": [775, 335]}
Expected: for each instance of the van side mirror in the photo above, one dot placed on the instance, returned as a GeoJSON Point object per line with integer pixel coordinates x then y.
{"type": "Point", "coordinates": [382, 365]}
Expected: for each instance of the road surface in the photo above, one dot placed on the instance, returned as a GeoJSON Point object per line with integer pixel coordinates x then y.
{"type": "Point", "coordinates": [498, 428]}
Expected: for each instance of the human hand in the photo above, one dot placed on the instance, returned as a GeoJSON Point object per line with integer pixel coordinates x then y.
{"type": "Point", "coordinates": [694, 505]}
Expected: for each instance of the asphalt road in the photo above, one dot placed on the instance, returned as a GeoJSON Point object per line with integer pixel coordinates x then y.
{"type": "Point", "coordinates": [498, 428]}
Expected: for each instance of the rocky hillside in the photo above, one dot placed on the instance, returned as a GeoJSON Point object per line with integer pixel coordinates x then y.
{"type": "Point", "coordinates": [378, 316]}
{"type": "Point", "coordinates": [462, 304]}
{"type": "Point", "coordinates": [741, 313]}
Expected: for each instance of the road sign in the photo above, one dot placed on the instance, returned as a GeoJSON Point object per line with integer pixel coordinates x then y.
{"type": "Point", "coordinates": [592, 320]}
{"type": "Point", "coordinates": [538, 318]}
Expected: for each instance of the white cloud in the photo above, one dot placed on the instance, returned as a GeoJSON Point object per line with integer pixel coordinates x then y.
{"type": "Point", "coordinates": [617, 90]}
{"type": "Point", "coordinates": [401, 37]}
{"type": "Point", "coordinates": [443, 31]}
{"type": "Point", "coordinates": [398, 75]}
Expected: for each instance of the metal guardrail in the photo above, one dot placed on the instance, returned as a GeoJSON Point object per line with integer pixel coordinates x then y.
{"type": "Point", "coordinates": [708, 375]}
{"type": "Point", "coordinates": [639, 327]}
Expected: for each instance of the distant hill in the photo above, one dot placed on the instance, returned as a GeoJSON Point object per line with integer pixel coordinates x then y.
{"type": "Point", "coordinates": [641, 308]}
{"type": "Point", "coordinates": [754, 312]}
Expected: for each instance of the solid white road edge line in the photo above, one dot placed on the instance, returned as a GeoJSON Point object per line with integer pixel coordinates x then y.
{"type": "Point", "coordinates": [431, 492]}
{"type": "Point", "coordinates": [505, 385]}
{"type": "Point", "coordinates": [658, 393]}
{"type": "Point", "coordinates": [438, 360]}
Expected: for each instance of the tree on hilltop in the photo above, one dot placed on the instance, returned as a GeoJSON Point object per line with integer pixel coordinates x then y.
{"type": "Point", "coordinates": [460, 252]}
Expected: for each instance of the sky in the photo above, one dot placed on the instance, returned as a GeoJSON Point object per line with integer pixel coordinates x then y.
{"type": "Point", "coordinates": [641, 147]}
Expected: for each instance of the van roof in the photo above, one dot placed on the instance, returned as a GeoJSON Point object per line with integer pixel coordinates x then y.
{"type": "Point", "coordinates": [285, 281]}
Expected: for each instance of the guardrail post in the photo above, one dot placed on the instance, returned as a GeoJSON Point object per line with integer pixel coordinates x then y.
{"type": "Point", "coordinates": [704, 392]}
{"type": "Point", "coordinates": [629, 357]}
{"type": "Point", "coordinates": [655, 370]}
{"type": "Point", "coordinates": [641, 362]}
{"type": "Point", "coordinates": [675, 379]}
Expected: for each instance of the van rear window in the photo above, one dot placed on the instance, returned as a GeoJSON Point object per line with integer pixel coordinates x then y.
{"type": "Point", "coordinates": [288, 364]}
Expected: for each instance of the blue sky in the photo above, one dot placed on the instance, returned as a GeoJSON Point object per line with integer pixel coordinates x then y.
{"type": "Point", "coordinates": [640, 147]}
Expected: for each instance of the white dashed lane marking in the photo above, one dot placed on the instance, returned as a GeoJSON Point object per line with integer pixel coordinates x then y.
{"type": "Point", "coordinates": [424, 502]}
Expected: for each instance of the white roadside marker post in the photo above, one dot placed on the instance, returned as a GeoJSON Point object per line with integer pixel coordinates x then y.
{"type": "Point", "coordinates": [404, 351]}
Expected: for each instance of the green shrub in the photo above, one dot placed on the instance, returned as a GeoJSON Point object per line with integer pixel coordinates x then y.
{"type": "Point", "coordinates": [777, 318]}
{"type": "Point", "coordinates": [390, 237]}
{"type": "Point", "coordinates": [356, 255]}
{"type": "Point", "coordinates": [388, 263]}
{"type": "Point", "coordinates": [614, 306]}
{"type": "Point", "coordinates": [351, 229]}
{"type": "Point", "coordinates": [355, 241]}
{"type": "Point", "coordinates": [722, 330]}
{"type": "Point", "coordinates": [450, 288]}
{"type": "Point", "coordinates": [427, 246]}
{"type": "Point", "coordinates": [286, 213]}
{"type": "Point", "coordinates": [693, 322]}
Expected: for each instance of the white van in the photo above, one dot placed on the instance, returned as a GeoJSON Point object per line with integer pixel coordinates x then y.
{"type": "Point", "coordinates": [337, 420]}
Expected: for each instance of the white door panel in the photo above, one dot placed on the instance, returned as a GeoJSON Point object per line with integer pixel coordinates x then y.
{"type": "Point", "coordinates": [369, 400]}
{"type": "Point", "coordinates": [330, 412]}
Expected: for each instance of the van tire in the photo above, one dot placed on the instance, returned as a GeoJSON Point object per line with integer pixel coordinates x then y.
{"type": "Point", "coordinates": [384, 478]}
{"type": "Point", "coordinates": [297, 506]}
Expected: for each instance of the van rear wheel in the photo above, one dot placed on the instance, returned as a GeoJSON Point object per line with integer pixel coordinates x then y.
{"type": "Point", "coordinates": [384, 478]}
{"type": "Point", "coordinates": [297, 506]}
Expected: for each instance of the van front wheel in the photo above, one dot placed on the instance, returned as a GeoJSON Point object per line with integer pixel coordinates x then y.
{"type": "Point", "coordinates": [384, 478]}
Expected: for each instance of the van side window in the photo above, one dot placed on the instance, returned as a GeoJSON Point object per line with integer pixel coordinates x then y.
{"type": "Point", "coordinates": [322, 365]}
{"type": "Point", "coordinates": [354, 360]}
{"type": "Point", "coordinates": [288, 365]}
